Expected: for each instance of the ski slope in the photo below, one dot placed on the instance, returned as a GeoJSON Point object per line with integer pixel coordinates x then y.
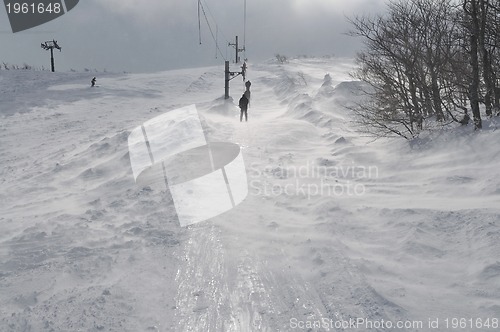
{"type": "Point", "coordinates": [336, 226]}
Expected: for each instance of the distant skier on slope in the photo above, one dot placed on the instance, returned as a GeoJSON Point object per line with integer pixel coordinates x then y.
{"type": "Point", "coordinates": [244, 107]}
{"type": "Point", "coordinates": [93, 81]}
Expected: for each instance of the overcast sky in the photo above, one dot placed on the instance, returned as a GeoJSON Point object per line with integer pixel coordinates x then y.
{"type": "Point", "coordinates": [153, 35]}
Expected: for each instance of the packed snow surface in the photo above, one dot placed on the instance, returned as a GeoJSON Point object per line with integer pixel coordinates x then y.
{"type": "Point", "coordinates": [336, 226]}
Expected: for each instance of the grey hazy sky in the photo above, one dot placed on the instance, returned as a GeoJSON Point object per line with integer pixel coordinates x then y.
{"type": "Point", "coordinates": [152, 35]}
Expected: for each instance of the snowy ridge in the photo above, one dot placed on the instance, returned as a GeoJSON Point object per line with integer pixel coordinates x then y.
{"type": "Point", "coordinates": [82, 247]}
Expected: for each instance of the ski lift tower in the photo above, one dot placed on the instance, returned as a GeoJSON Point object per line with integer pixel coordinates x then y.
{"type": "Point", "coordinates": [238, 50]}
{"type": "Point", "coordinates": [50, 45]}
{"type": "Point", "coordinates": [229, 75]}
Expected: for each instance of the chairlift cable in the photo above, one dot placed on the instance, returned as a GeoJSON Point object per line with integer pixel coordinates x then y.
{"type": "Point", "coordinates": [211, 30]}
{"type": "Point", "coordinates": [213, 18]}
{"type": "Point", "coordinates": [199, 20]}
{"type": "Point", "coordinates": [245, 29]}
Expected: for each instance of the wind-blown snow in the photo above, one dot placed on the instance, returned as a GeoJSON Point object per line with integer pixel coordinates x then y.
{"type": "Point", "coordinates": [413, 236]}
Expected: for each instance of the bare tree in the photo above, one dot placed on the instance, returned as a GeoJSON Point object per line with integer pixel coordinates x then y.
{"type": "Point", "coordinates": [429, 60]}
{"type": "Point", "coordinates": [411, 62]}
{"type": "Point", "coordinates": [473, 28]}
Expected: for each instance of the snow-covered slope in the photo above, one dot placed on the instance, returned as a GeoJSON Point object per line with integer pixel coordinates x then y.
{"type": "Point", "coordinates": [336, 226]}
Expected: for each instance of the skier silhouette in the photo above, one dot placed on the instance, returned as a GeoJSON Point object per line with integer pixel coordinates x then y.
{"type": "Point", "coordinates": [244, 70]}
{"type": "Point", "coordinates": [247, 92]}
{"type": "Point", "coordinates": [93, 81]}
{"type": "Point", "coordinates": [244, 107]}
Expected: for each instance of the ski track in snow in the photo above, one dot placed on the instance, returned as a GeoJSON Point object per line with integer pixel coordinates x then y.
{"type": "Point", "coordinates": [83, 248]}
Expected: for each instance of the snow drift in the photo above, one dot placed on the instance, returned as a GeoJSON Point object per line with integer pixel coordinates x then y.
{"type": "Point", "coordinates": [82, 247]}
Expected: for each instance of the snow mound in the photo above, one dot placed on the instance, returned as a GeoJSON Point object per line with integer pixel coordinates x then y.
{"type": "Point", "coordinates": [335, 226]}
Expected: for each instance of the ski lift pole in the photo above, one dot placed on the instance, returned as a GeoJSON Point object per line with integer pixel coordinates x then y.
{"type": "Point", "coordinates": [228, 76]}
{"type": "Point", "coordinates": [236, 47]}
{"type": "Point", "coordinates": [238, 50]}
{"type": "Point", "coordinates": [226, 86]}
{"type": "Point", "coordinates": [52, 64]}
{"type": "Point", "coordinates": [50, 45]}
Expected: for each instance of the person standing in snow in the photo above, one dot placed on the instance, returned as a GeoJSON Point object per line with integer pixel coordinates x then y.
{"type": "Point", "coordinates": [244, 70]}
{"type": "Point", "coordinates": [247, 92]}
{"type": "Point", "coordinates": [244, 107]}
{"type": "Point", "coordinates": [93, 81]}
